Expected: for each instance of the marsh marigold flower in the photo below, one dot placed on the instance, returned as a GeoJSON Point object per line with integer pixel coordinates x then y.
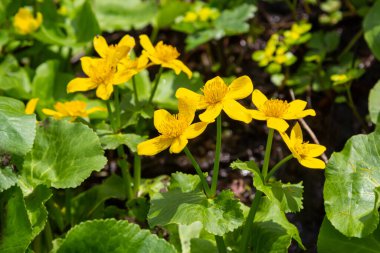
{"type": "Point", "coordinates": [276, 111]}
{"type": "Point", "coordinates": [164, 55]}
{"type": "Point", "coordinates": [72, 109]}
{"type": "Point", "coordinates": [31, 106]}
{"type": "Point", "coordinates": [217, 96]}
{"type": "Point", "coordinates": [175, 130]}
{"type": "Point", "coordinates": [24, 21]}
{"type": "Point", "coordinates": [304, 152]}
{"type": "Point", "coordinates": [101, 75]}
{"type": "Point", "coordinates": [129, 67]}
{"type": "Point", "coordinates": [113, 53]}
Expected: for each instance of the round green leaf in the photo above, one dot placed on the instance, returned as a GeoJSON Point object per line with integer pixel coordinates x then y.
{"type": "Point", "coordinates": [109, 235]}
{"type": "Point", "coordinates": [352, 177]}
{"type": "Point", "coordinates": [329, 238]}
{"type": "Point", "coordinates": [371, 27]}
{"type": "Point", "coordinates": [7, 178]}
{"type": "Point", "coordinates": [373, 103]}
{"type": "Point", "coordinates": [63, 156]}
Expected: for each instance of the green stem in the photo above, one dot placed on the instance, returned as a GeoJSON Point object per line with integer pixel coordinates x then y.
{"type": "Point", "coordinates": [206, 188]}
{"type": "Point", "coordinates": [217, 155]}
{"type": "Point", "coordinates": [48, 236]}
{"type": "Point", "coordinates": [135, 90]}
{"type": "Point", "coordinates": [352, 105]}
{"type": "Point", "coordinates": [68, 198]}
{"type": "Point", "coordinates": [157, 80]}
{"type": "Point", "coordinates": [110, 115]}
{"type": "Point", "coordinates": [154, 34]}
{"type": "Point", "coordinates": [117, 108]}
{"type": "Point", "coordinates": [352, 42]}
{"type": "Point", "coordinates": [267, 152]}
{"type": "Point", "coordinates": [220, 244]}
{"type": "Point", "coordinates": [136, 173]}
{"type": "Point", "coordinates": [125, 171]}
{"type": "Point", "coordinates": [277, 166]}
{"type": "Point", "coordinates": [249, 222]}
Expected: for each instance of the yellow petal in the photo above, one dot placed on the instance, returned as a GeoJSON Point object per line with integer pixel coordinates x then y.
{"type": "Point", "coordinates": [258, 98]}
{"type": "Point", "coordinates": [154, 146]}
{"type": "Point", "coordinates": [31, 106]}
{"type": "Point", "coordinates": [127, 41]}
{"type": "Point", "coordinates": [186, 110]}
{"type": "Point", "coordinates": [287, 141]}
{"type": "Point", "coordinates": [100, 45]}
{"type": "Point", "coordinates": [80, 84]}
{"type": "Point", "coordinates": [146, 44]}
{"type": "Point", "coordinates": [296, 106]}
{"type": "Point", "coordinates": [240, 88]}
{"type": "Point", "coordinates": [315, 150]}
{"type": "Point", "coordinates": [53, 113]}
{"type": "Point", "coordinates": [195, 130]}
{"type": "Point", "coordinates": [160, 119]}
{"type": "Point", "coordinates": [121, 77]}
{"type": "Point", "coordinates": [197, 99]}
{"type": "Point", "coordinates": [96, 109]}
{"type": "Point", "coordinates": [258, 115]}
{"type": "Point", "coordinates": [312, 163]}
{"type": "Point", "coordinates": [297, 114]}
{"type": "Point", "coordinates": [177, 64]}
{"type": "Point", "coordinates": [178, 144]}
{"type": "Point", "coordinates": [236, 111]}
{"type": "Point", "coordinates": [278, 124]}
{"type": "Point", "coordinates": [212, 111]}
{"type": "Point", "coordinates": [104, 91]}
{"type": "Point", "coordinates": [296, 134]}
{"type": "Point", "coordinates": [88, 64]}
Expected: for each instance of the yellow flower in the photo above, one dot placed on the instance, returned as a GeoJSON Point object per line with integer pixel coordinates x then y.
{"type": "Point", "coordinates": [190, 17]}
{"type": "Point", "coordinates": [207, 13]}
{"type": "Point", "coordinates": [164, 55]}
{"type": "Point", "coordinates": [31, 106]}
{"type": "Point", "coordinates": [276, 111]}
{"type": "Point", "coordinates": [101, 75]}
{"type": "Point", "coordinates": [304, 152]}
{"type": "Point", "coordinates": [217, 96]}
{"type": "Point", "coordinates": [25, 23]}
{"type": "Point", "coordinates": [71, 109]}
{"type": "Point", "coordinates": [113, 53]}
{"type": "Point", "coordinates": [63, 10]}
{"type": "Point", "coordinates": [129, 67]}
{"type": "Point", "coordinates": [175, 130]}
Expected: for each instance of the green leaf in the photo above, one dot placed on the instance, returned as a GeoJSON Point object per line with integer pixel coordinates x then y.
{"type": "Point", "coordinates": [85, 23]}
{"type": "Point", "coordinates": [113, 141]}
{"type": "Point", "coordinates": [7, 178]}
{"type": "Point", "coordinates": [86, 203]}
{"type": "Point", "coordinates": [352, 176]}
{"type": "Point", "coordinates": [373, 103]}
{"type": "Point", "coordinates": [17, 130]}
{"type": "Point", "coordinates": [185, 182]}
{"type": "Point", "coordinates": [249, 165]}
{"type": "Point", "coordinates": [289, 196]}
{"type": "Point", "coordinates": [329, 238]}
{"type": "Point", "coordinates": [218, 216]}
{"type": "Point", "coordinates": [188, 232]}
{"type": "Point", "coordinates": [371, 27]}
{"type": "Point", "coordinates": [168, 11]}
{"type": "Point", "coordinates": [272, 232]}
{"type": "Point", "coordinates": [233, 21]}
{"type": "Point", "coordinates": [112, 236]}
{"type": "Point", "coordinates": [126, 15]}
{"type": "Point", "coordinates": [16, 231]}
{"type": "Point", "coordinates": [63, 156]}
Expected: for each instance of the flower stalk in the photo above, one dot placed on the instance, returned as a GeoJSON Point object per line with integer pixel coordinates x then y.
{"type": "Point", "coordinates": [157, 80]}
{"type": "Point", "coordinates": [218, 147]}
{"type": "Point", "coordinates": [136, 174]}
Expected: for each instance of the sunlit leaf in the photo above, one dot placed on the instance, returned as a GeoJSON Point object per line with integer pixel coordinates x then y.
{"type": "Point", "coordinates": [371, 27]}
{"type": "Point", "coordinates": [374, 103]}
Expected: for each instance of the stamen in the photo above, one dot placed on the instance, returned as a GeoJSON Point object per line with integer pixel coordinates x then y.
{"type": "Point", "coordinates": [166, 52]}
{"type": "Point", "coordinates": [214, 91]}
{"type": "Point", "coordinates": [275, 108]}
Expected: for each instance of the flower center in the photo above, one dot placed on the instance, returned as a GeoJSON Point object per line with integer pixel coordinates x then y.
{"type": "Point", "coordinates": [302, 149]}
{"type": "Point", "coordinates": [173, 126]}
{"type": "Point", "coordinates": [72, 108]}
{"type": "Point", "coordinates": [102, 73]}
{"type": "Point", "coordinates": [214, 91]}
{"type": "Point", "coordinates": [275, 108]}
{"type": "Point", "coordinates": [166, 53]}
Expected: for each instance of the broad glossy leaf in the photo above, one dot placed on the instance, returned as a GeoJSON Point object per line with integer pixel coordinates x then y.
{"type": "Point", "coordinates": [188, 232]}
{"type": "Point", "coordinates": [371, 27]}
{"type": "Point", "coordinates": [234, 21]}
{"type": "Point", "coordinates": [113, 141]}
{"type": "Point", "coordinates": [16, 231]}
{"type": "Point", "coordinates": [218, 216]}
{"type": "Point", "coordinates": [329, 238]}
{"type": "Point", "coordinates": [85, 23]}
{"type": "Point", "coordinates": [374, 103]}
{"type": "Point", "coordinates": [248, 165]}
{"type": "Point", "coordinates": [168, 11]}
{"type": "Point", "coordinates": [272, 232]}
{"type": "Point", "coordinates": [352, 176]}
{"type": "Point", "coordinates": [17, 130]}
{"type": "Point", "coordinates": [7, 178]}
{"type": "Point", "coordinates": [126, 15]}
{"type": "Point", "coordinates": [63, 156]}
{"type": "Point", "coordinates": [112, 236]}
{"type": "Point", "coordinates": [186, 182]}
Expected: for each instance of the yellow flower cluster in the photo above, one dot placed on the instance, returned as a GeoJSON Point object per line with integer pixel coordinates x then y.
{"type": "Point", "coordinates": [203, 14]}
{"type": "Point", "coordinates": [216, 97]}
{"type": "Point", "coordinates": [115, 65]}
{"type": "Point", "coordinates": [25, 23]}
{"type": "Point", "coordinates": [71, 109]}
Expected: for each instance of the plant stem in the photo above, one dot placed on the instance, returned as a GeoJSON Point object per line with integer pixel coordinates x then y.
{"type": "Point", "coordinates": [117, 108]}
{"type": "Point", "coordinates": [135, 90]}
{"type": "Point", "coordinates": [154, 34]}
{"type": "Point", "coordinates": [48, 236]}
{"type": "Point", "coordinates": [352, 42]}
{"type": "Point", "coordinates": [267, 152]}
{"type": "Point", "coordinates": [352, 105]}
{"type": "Point", "coordinates": [110, 115]}
{"type": "Point", "coordinates": [125, 171]}
{"type": "Point", "coordinates": [206, 188]}
{"type": "Point", "coordinates": [217, 155]}
{"type": "Point", "coordinates": [220, 244]}
{"type": "Point", "coordinates": [157, 80]}
{"type": "Point", "coordinates": [136, 173]}
{"type": "Point", "coordinates": [249, 222]}
{"type": "Point", "coordinates": [277, 166]}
